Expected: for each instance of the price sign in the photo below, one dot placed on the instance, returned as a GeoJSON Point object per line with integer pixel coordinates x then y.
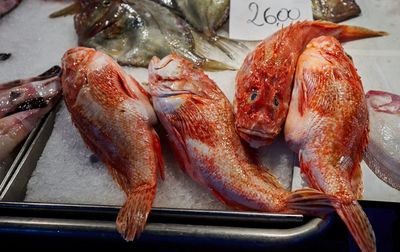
{"type": "Point", "coordinates": [257, 19]}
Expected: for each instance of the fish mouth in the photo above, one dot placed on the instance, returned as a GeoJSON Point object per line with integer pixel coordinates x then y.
{"type": "Point", "coordinates": [256, 138]}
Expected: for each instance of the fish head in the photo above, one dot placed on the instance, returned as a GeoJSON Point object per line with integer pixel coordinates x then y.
{"type": "Point", "coordinates": [72, 61]}
{"type": "Point", "coordinates": [260, 107]}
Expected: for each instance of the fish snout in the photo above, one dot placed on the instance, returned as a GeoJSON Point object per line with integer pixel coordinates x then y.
{"type": "Point", "coordinates": [258, 132]}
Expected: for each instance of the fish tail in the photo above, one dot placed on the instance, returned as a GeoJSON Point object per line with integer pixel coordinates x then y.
{"type": "Point", "coordinates": [355, 32]}
{"type": "Point", "coordinates": [358, 224]}
{"type": "Point", "coordinates": [309, 201]}
{"type": "Point", "coordinates": [133, 215]}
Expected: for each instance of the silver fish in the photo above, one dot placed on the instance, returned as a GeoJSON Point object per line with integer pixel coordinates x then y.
{"type": "Point", "coordinates": [382, 153]}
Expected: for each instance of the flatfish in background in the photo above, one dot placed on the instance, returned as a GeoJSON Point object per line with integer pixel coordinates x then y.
{"type": "Point", "coordinates": [200, 127]}
{"type": "Point", "coordinates": [8, 5]}
{"type": "Point", "coordinates": [113, 114]}
{"type": "Point", "coordinates": [264, 81]}
{"type": "Point", "coordinates": [328, 126]}
{"type": "Point", "coordinates": [335, 10]}
{"type": "Point", "coordinates": [382, 154]}
{"type": "Point", "coordinates": [134, 31]}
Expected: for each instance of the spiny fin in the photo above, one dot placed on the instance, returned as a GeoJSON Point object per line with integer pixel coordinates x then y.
{"type": "Point", "coordinates": [158, 154]}
{"type": "Point", "coordinates": [358, 224]}
{"type": "Point", "coordinates": [308, 201]}
{"type": "Point", "coordinates": [69, 10]}
{"type": "Point", "coordinates": [133, 214]}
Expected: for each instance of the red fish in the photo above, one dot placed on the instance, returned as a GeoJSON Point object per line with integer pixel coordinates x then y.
{"type": "Point", "coordinates": [327, 124]}
{"type": "Point", "coordinates": [264, 81]}
{"type": "Point", "coordinates": [200, 125]}
{"type": "Point", "coordinates": [114, 117]}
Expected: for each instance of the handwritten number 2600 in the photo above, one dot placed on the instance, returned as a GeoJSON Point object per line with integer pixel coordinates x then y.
{"type": "Point", "coordinates": [281, 16]}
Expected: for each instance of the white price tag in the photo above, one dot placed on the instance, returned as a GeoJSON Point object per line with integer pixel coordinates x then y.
{"type": "Point", "coordinates": [257, 19]}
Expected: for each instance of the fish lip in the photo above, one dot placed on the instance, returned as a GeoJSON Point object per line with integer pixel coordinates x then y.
{"type": "Point", "coordinates": [256, 138]}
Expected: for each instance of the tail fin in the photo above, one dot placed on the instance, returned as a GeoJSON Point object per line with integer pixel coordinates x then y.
{"type": "Point", "coordinates": [133, 214]}
{"type": "Point", "coordinates": [355, 32]}
{"type": "Point", "coordinates": [309, 201]}
{"type": "Point", "coordinates": [358, 224]}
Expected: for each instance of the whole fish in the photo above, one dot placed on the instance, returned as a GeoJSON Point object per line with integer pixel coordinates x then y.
{"type": "Point", "coordinates": [114, 116]}
{"type": "Point", "coordinates": [335, 10]}
{"type": "Point", "coordinates": [327, 125]}
{"type": "Point", "coordinates": [199, 122]}
{"type": "Point", "coordinates": [382, 154]}
{"type": "Point", "coordinates": [264, 81]}
{"type": "Point", "coordinates": [28, 96]}
{"type": "Point", "coordinates": [16, 127]}
{"type": "Point", "coordinates": [134, 31]}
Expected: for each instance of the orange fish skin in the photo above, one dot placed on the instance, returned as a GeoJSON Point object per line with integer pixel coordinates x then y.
{"type": "Point", "coordinates": [327, 124]}
{"type": "Point", "coordinates": [264, 81]}
{"type": "Point", "coordinates": [114, 117]}
{"type": "Point", "coordinates": [200, 125]}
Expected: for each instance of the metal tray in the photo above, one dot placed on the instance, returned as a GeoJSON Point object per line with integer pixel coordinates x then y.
{"type": "Point", "coordinates": [183, 226]}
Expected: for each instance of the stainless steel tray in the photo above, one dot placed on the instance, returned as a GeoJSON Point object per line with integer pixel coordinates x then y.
{"type": "Point", "coordinates": [230, 228]}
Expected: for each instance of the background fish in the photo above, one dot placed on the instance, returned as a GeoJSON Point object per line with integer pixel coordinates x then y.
{"type": "Point", "coordinates": [16, 127]}
{"type": "Point", "coordinates": [335, 10]}
{"type": "Point", "coordinates": [29, 96]}
{"type": "Point", "coordinates": [199, 121]}
{"type": "Point", "coordinates": [327, 125]}
{"type": "Point", "coordinates": [134, 31]}
{"type": "Point", "coordinates": [264, 81]}
{"type": "Point", "coordinates": [114, 117]}
{"type": "Point", "coordinates": [382, 154]}
{"type": "Point", "coordinates": [8, 5]}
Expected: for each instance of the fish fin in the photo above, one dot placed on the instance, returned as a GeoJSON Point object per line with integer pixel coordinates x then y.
{"type": "Point", "coordinates": [133, 214]}
{"type": "Point", "coordinates": [69, 10]}
{"type": "Point", "coordinates": [302, 97]}
{"type": "Point", "coordinates": [356, 181]}
{"type": "Point", "coordinates": [214, 65]}
{"type": "Point", "coordinates": [358, 224]}
{"type": "Point", "coordinates": [269, 177]}
{"type": "Point", "coordinates": [227, 46]}
{"type": "Point", "coordinates": [179, 152]}
{"type": "Point", "coordinates": [349, 32]}
{"type": "Point", "coordinates": [309, 201]}
{"type": "Point", "coordinates": [158, 155]}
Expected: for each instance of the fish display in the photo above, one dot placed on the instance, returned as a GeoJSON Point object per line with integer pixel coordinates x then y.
{"type": "Point", "coordinates": [335, 10]}
{"type": "Point", "coordinates": [264, 81]}
{"type": "Point", "coordinates": [8, 5]}
{"type": "Point", "coordinates": [200, 127]}
{"type": "Point", "coordinates": [115, 118]}
{"type": "Point", "coordinates": [132, 32]}
{"type": "Point", "coordinates": [33, 94]}
{"type": "Point", "coordinates": [327, 125]}
{"type": "Point", "coordinates": [382, 154]}
{"type": "Point", "coordinates": [22, 104]}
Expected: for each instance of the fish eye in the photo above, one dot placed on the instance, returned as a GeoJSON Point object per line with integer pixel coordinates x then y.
{"type": "Point", "coordinates": [106, 2]}
{"type": "Point", "coordinates": [276, 101]}
{"type": "Point", "coordinates": [252, 97]}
